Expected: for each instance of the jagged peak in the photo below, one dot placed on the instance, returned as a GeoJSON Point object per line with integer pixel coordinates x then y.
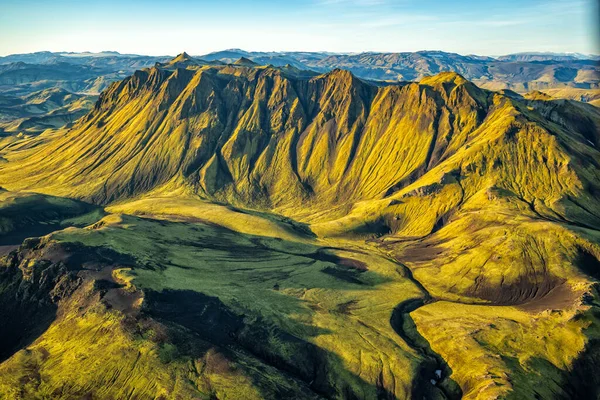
{"type": "Point", "coordinates": [444, 77]}
{"type": "Point", "coordinates": [449, 82]}
{"type": "Point", "coordinates": [182, 57]}
{"type": "Point", "coordinates": [537, 95]}
{"type": "Point", "coordinates": [340, 74]}
{"type": "Point", "coordinates": [246, 62]}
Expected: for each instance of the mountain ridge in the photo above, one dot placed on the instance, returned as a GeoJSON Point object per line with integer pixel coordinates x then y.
{"type": "Point", "coordinates": [356, 106]}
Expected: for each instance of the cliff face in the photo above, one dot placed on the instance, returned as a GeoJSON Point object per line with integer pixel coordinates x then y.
{"type": "Point", "coordinates": [261, 137]}
{"type": "Point", "coordinates": [246, 134]}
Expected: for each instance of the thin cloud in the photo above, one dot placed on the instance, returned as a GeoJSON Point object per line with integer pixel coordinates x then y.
{"type": "Point", "coordinates": [396, 20]}
{"type": "Point", "coordinates": [360, 3]}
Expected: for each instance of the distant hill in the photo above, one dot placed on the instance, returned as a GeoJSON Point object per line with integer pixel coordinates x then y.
{"type": "Point", "coordinates": [301, 60]}
{"type": "Point", "coordinates": [521, 72]}
{"type": "Point", "coordinates": [548, 57]}
{"type": "Point", "coordinates": [486, 72]}
{"type": "Point", "coordinates": [41, 110]}
{"type": "Point", "coordinates": [77, 72]}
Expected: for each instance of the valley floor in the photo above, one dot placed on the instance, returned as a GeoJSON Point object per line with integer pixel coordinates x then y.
{"type": "Point", "coordinates": [180, 298]}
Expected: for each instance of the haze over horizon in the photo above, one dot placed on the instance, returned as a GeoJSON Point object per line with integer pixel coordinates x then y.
{"type": "Point", "coordinates": [344, 26]}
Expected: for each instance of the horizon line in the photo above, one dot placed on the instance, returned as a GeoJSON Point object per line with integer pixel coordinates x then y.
{"type": "Point", "coordinates": [565, 53]}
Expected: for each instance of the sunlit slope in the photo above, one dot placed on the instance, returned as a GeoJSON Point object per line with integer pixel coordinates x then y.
{"type": "Point", "coordinates": [244, 134]}
{"type": "Point", "coordinates": [257, 137]}
{"type": "Point", "coordinates": [514, 353]}
{"type": "Point", "coordinates": [483, 224]}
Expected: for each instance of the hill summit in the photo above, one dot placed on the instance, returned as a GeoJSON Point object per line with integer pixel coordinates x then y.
{"type": "Point", "coordinates": [245, 62]}
{"type": "Point", "coordinates": [182, 57]}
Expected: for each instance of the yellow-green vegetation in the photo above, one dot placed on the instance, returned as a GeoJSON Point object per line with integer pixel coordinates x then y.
{"type": "Point", "coordinates": [590, 96]}
{"type": "Point", "coordinates": [288, 286]}
{"type": "Point", "coordinates": [270, 234]}
{"type": "Point", "coordinates": [184, 208]}
{"type": "Point", "coordinates": [87, 350]}
{"type": "Point", "coordinates": [30, 214]}
{"type": "Point", "coordinates": [510, 352]}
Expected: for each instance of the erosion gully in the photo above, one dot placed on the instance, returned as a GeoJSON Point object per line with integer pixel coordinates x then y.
{"type": "Point", "coordinates": [434, 373]}
{"type": "Point", "coordinates": [433, 376]}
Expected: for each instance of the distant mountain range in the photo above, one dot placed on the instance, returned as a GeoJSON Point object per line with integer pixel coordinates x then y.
{"type": "Point", "coordinates": [521, 72]}
{"type": "Point", "coordinates": [537, 56]}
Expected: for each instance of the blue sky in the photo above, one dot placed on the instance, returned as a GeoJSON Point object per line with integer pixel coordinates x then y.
{"type": "Point", "coordinates": [487, 27]}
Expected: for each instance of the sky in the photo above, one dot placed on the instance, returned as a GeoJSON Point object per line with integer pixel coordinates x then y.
{"type": "Point", "coordinates": [168, 27]}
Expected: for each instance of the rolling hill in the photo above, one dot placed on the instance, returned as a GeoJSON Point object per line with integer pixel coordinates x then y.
{"type": "Point", "coordinates": [504, 73]}
{"type": "Point", "coordinates": [45, 109]}
{"type": "Point", "coordinates": [237, 230]}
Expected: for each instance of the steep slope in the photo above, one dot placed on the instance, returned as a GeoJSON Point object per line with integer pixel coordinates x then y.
{"type": "Point", "coordinates": [243, 134]}
{"type": "Point", "coordinates": [232, 123]}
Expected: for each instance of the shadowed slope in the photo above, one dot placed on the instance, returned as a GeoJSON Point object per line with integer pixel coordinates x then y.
{"type": "Point", "coordinates": [243, 134]}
